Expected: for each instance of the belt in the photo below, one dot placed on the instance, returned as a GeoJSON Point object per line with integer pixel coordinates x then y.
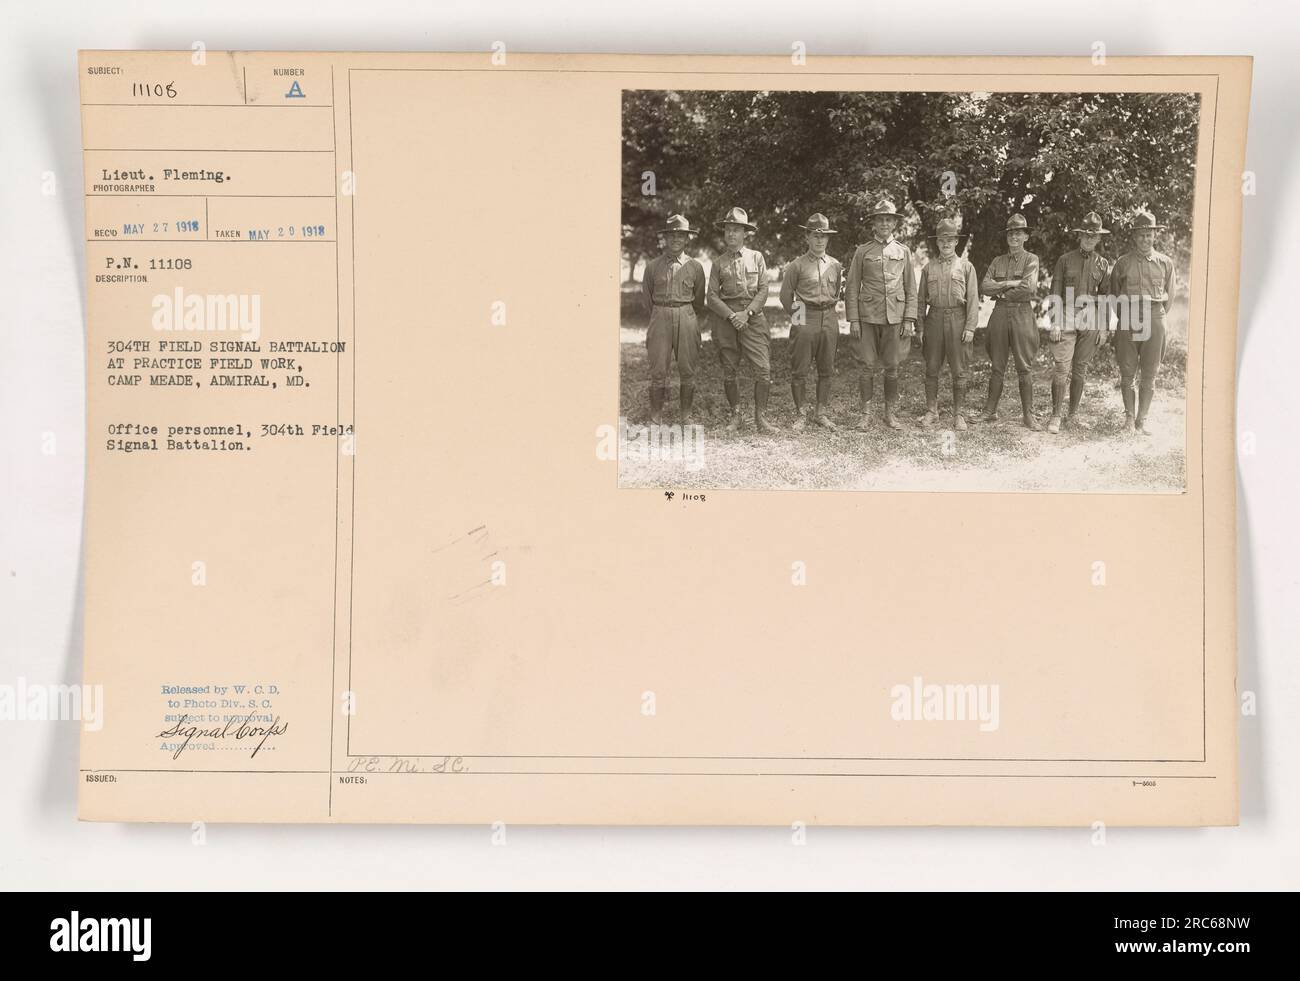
{"type": "Point", "coordinates": [818, 306]}
{"type": "Point", "coordinates": [737, 301]}
{"type": "Point", "coordinates": [1014, 303]}
{"type": "Point", "coordinates": [675, 303]}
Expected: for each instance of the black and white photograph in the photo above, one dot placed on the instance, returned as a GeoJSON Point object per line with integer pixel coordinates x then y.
{"type": "Point", "coordinates": [918, 291]}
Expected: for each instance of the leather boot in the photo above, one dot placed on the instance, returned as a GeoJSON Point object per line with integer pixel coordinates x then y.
{"type": "Point", "coordinates": [891, 402]}
{"type": "Point", "coordinates": [1126, 390]}
{"type": "Point", "coordinates": [931, 403]}
{"type": "Point", "coordinates": [1076, 394]}
{"type": "Point", "coordinates": [1058, 398]}
{"type": "Point", "coordinates": [866, 382]}
{"type": "Point", "coordinates": [1027, 405]}
{"type": "Point", "coordinates": [732, 390]}
{"type": "Point", "coordinates": [959, 407]}
{"type": "Point", "coordinates": [798, 390]}
{"type": "Point", "coordinates": [823, 397]}
{"type": "Point", "coordinates": [1144, 406]}
{"type": "Point", "coordinates": [656, 404]}
{"type": "Point", "coordinates": [761, 391]}
{"type": "Point", "coordinates": [687, 401]}
{"type": "Point", "coordinates": [995, 395]}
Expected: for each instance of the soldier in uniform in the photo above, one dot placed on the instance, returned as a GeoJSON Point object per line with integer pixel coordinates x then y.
{"type": "Point", "coordinates": [1081, 318]}
{"type": "Point", "coordinates": [1012, 279]}
{"type": "Point", "coordinates": [949, 304]}
{"type": "Point", "coordinates": [736, 295]}
{"type": "Point", "coordinates": [881, 307]}
{"type": "Point", "coordinates": [674, 288]}
{"type": "Point", "coordinates": [1141, 285]}
{"type": "Point", "coordinates": [810, 289]}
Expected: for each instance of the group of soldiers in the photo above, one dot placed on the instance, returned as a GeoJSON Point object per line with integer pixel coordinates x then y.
{"type": "Point", "coordinates": [884, 306]}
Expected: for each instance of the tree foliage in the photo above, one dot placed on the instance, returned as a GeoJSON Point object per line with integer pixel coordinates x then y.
{"type": "Point", "coordinates": [978, 157]}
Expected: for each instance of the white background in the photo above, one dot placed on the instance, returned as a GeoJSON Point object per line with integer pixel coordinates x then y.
{"type": "Point", "coordinates": [42, 363]}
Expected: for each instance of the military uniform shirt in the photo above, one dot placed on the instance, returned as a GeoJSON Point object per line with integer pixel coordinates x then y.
{"type": "Point", "coordinates": [814, 280]}
{"type": "Point", "coordinates": [1085, 274]}
{"type": "Point", "coordinates": [738, 275]}
{"type": "Point", "coordinates": [674, 279]}
{"type": "Point", "coordinates": [881, 284]}
{"type": "Point", "coordinates": [1137, 275]}
{"type": "Point", "coordinates": [950, 282]}
{"type": "Point", "coordinates": [1011, 265]}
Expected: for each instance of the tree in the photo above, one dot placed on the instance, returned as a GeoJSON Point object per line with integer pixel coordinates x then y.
{"type": "Point", "coordinates": [979, 157]}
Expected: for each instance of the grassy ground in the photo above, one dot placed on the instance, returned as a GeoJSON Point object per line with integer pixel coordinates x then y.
{"type": "Point", "coordinates": [1092, 454]}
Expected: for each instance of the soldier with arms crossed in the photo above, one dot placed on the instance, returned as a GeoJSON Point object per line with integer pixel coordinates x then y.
{"type": "Point", "coordinates": [1012, 278]}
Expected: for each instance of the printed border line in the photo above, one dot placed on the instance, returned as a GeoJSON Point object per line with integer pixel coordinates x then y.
{"type": "Point", "coordinates": [145, 197]}
{"type": "Point", "coordinates": [760, 759]}
{"type": "Point", "coordinates": [190, 149]}
{"type": "Point", "coordinates": [338, 374]}
{"type": "Point", "coordinates": [1205, 307]}
{"type": "Point", "coordinates": [216, 241]}
{"type": "Point", "coordinates": [801, 72]}
{"type": "Point", "coordinates": [701, 773]}
{"type": "Point", "coordinates": [352, 503]}
{"type": "Point", "coordinates": [1205, 320]}
{"type": "Point", "coordinates": [201, 105]}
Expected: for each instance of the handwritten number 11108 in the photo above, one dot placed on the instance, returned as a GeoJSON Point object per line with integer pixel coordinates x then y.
{"type": "Point", "coordinates": [147, 90]}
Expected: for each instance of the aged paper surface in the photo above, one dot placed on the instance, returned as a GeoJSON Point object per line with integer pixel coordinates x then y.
{"type": "Point", "coordinates": [356, 550]}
